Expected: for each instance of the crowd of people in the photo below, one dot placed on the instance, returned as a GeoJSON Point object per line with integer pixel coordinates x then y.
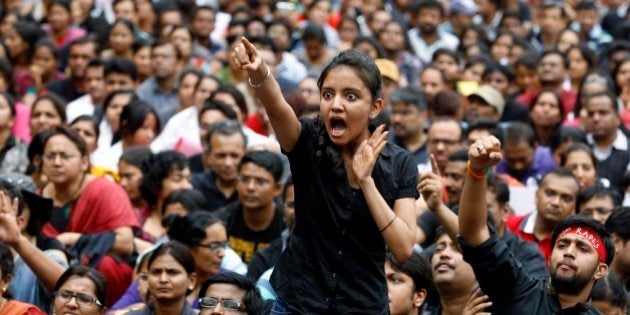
{"type": "Point", "coordinates": [321, 156]}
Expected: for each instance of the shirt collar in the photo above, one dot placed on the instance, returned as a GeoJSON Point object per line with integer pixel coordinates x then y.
{"type": "Point", "coordinates": [530, 223]}
{"type": "Point", "coordinates": [620, 143]}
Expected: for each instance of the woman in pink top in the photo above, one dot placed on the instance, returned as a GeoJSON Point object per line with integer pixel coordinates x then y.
{"type": "Point", "coordinates": [59, 25]}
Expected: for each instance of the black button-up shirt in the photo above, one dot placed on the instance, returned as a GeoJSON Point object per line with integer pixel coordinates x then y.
{"type": "Point", "coordinates": [334, 261]}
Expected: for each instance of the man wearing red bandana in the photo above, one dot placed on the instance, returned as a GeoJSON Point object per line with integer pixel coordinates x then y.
{"type": "Point", "coordinates": [581, 251]}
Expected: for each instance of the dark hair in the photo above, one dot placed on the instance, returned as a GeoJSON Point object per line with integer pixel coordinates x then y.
{"type": "Point", "coordinates": [252, 299]}
{"type": "Point", "coordinates": [116, 2]}
{"type": "Point", "coordinates": [79, 271]}
{"type": "Point", "coordinates": [139, 44]}
{"type": "Point", "coordinates": [11, 101]}
{"type": "Point", "coordinates": [191, 71]}
{"type": "Point", "coordinates": [578, 147]}
{"type": "Point", "coordinates": [427, 4]}
{"type": "Point", "coordinates": [71, 135]}
{"type": "Point", "coordinates": [588, 54]}
{"type": "Point", "coordinates": [6, 262]}
{"type": "Point", "coordinates": [447, 119]}
{"type": "Point", "coordinates": [494, 67]}
{"type": "Point", "coordinates": [30, 34]}
{"type": "Point", "coordinates": [459, 156]}
{"type": "Point", "coordinates": [110, 97]}
{"type": "Point", "coordinates": [610, 289]}
{"type": "Point", "coordinates": [445, 103]}
{"type": "Point", "coordinates": [517, 132]}
{"type": "Point", "coordinates": [6, 73]}
{"type": "Point", "coordinates": [124, 22]}
{"type": "Point", "coordinates": [564, 134]}
{"type": "Point", "coordinates": [197, 9]}
{"type": "Point", "coordinates": [165, 42]}
{"type": "Point", "coordinates": [598, 192]}
{"type": "Point", "coordinates": [190, 199]}
{"type": "Point", "coordinates": [483, 124]}
{"type": "Point", "coordinates": [594, 76]}
{"type": "Point", "coordinates": [190, 230]}
{"type": "Point", "coordinates": [45, 42]}
{"type": "Point", "coordinates": [558, 100]}
{"type": "Point", "coordinates": [178, 251]}
{"type": "Point", "coordinates": [12, 192]}
{"type": "Point", "coordinates": [224, 128]}
{"type": "Point", "coordinates": [270, 161]}
{"type": "Point", "coordinates": [156, 168]}
{"type": "Point", "coordinates": [585, 222]}
{"type": "Point", "coordinates": [314, 32]}
{"type": "Point", "coordinates": [554, 51]}
{"type": "Point", "coordinates": [409, 95]}
{"type": "Point", "coordinates": [528, 59]}
{"type": "Point", "coordinates": [362, 65]}
{"type": "Point", "coordinates": [562, 172]}
{"type": "Point", "coordinates": [36, 149]}
{"type": "Point", "coordinates": [448, 52]}
{"type": "Point", "coordinates": [237, 95]}
{"type": "Point", "coordinates": [380, 53]}
{"type": "Point", "coordinates": [58, 103]}
{"type": "Point", "coordinates": [586, 5]}
{"type": "Point", "coordinates": [610, 96]}
{"type": "Point", "coordinates": [121, 65]}
{"type": "Point", "coordinates": [417, 268]}
{"type": "Point", "coordinates": [66, 4]}
{"type": "Point", "coordinates": [93, 123]}
{"type": "Point", "coordinates": [88, 39]}
{"type": "Point", "coordinates": [498, 187]}
{"type": "Point", "coordinates": [133, 116]}
{"type": "Point", "coordinates": [618, 223]}
{"type": "Point", "coordinates": [135, 156]}
{"type": "Point", "coordinates": [225, 109]}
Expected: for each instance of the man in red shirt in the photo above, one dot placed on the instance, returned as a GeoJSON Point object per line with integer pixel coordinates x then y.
{"type": "Point", "coordinates": [555, 200]}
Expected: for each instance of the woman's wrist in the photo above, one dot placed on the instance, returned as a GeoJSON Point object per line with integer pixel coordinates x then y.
{"type": "Point", "coordinates": [257, 79]}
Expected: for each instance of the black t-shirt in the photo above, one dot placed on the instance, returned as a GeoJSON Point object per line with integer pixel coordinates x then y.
{"type": "Point", "coordinates": [204, 183]}
{"type": "Point", "coordinates": [243, 240]}
{"type": "Point", "coordinates": [334, 260]}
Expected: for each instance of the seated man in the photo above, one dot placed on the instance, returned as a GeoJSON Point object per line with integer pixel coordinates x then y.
{"type": "Point", "coordinates": [581, 252]}
{"type": "Point", "coordinates": [229, 291]}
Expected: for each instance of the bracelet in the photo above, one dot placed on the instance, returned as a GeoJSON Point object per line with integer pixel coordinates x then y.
{"type": "Point", "coordinates": [390, 223]}
{"type": "Point", "coordinates": [473, 174]}
{"type": "Point", "coordinates": [249, 80]}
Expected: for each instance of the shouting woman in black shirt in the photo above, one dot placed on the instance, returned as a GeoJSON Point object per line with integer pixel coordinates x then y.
{"type": "Point", "coordinates": [354, 193]}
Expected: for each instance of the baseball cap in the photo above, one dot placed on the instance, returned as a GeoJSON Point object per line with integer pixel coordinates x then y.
{"type": "Point", "coordinates": [491, 96]}
{"type": "Point", "coordinates": [388, 69]}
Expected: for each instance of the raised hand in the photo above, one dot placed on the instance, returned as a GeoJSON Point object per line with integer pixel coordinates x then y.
{"type": "Point", "coordinates": [477, 303]}
{"type": "Point", "coordinates": [246, 57]}
{"type": "Point", "coordinates": [9, 229]}
{"type": "Point", "coordinates": [484, 153]}
{"type": "Point", "coordinates": [430, 186]}
{"type": "Point", "coordinates": [367, 154]}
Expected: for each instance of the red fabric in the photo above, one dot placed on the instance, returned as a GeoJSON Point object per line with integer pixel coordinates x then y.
{"type": "Point", "coordinates": [19, 308]}
{"type": "Point", "coordinates": [118, 275]}
{"type": "Point", "coordinates": [568, 100]}
{"type": "Point", "coordinates": [589, 236]}
{"type": "Point", "coordinates": [255, 123]}
{"type": "Point", "coordinates": [102, 207]}
{"type": "Point", "coordinates": [515, 222]}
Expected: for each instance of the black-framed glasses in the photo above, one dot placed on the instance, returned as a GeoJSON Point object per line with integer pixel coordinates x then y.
{"type": "Point", "coordinates": [228, 304]}
{"type": "Point", "coordinates": [215, 246]}
{"type": "Point", "coordinates": [82, 299]}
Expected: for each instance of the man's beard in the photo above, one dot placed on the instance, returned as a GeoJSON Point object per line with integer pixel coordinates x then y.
{"type": "Point", "coordinates": [573, 285]}
{"type": "Point", "coordinates": [428, 29]}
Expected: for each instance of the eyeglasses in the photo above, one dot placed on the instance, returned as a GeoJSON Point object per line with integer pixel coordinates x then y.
{"type": "Point", "coordinates": [51, 157]}
{"type": "Point", "coordinates": [84, 300]}
{"type": "Point", "coordinates": [228, 304]}
{"type": "Point", "coordinates": [215, 246]}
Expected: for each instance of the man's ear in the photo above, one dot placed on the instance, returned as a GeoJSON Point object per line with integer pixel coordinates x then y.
{"type": "Point", "coordinates": [602, 271]}
{"type": "Point", "coordinates": [419, 297]}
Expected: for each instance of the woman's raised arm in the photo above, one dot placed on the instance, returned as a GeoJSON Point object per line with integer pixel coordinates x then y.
{"type": "Point", "coordinates": [282, 117]}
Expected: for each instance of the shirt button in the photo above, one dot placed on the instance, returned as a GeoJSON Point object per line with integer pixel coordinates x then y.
{"type": "Point", "coordinates": [334, 275]}
{"type": "Point", "coordinates": [339, 252]}
{"type": "Point", "coordinates": [326, 300]}
{"type": "Point", "coordinates": [343, 232]}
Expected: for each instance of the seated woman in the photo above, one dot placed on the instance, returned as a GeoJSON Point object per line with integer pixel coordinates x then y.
{"type": "Point", "coordinates": [170, 263]}
{"type": "Point", "coordinates": [94, 226]}
{"type": "Point", "coordinates": [164, 173]}
{"type": "Point", "coordinates": [80, 290]}
{"type": "Point", "coordinates": [7, 306]}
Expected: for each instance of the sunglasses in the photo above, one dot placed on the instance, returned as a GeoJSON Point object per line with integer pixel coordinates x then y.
{"type": "Point", "coordinates": [228, 304]}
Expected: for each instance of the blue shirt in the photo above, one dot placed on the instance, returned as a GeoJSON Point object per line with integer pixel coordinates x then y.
{"type": "Point", "coordinates": [163, 102]}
